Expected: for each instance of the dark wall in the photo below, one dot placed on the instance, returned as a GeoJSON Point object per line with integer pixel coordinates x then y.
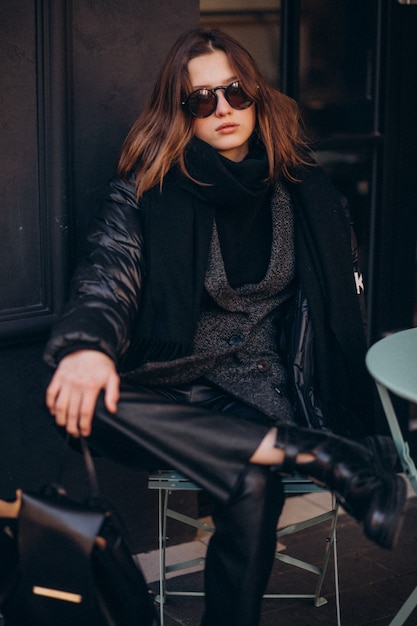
{"type": "Point", "coordinates": [117, 47]}
{"type": "Point", "coordinates": [395, 227]}
{"type": "Point", "coordinates": [74, 75]}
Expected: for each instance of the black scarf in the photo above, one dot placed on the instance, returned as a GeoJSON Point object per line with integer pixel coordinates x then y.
{"type": "Point", "coordinates": [240, 194]}
{"type": "Point", "coordinates": [323, 249]}
{"type": "Point", "coordinates": [177, 234]}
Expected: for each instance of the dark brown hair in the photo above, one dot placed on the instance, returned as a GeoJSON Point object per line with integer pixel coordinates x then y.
{"type": "Point", "coordinates": [160, 135]}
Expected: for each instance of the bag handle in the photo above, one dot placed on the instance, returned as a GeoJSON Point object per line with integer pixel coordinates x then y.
{"type": "Point", "coordinates": [90, 467]}
{"type": "Point", "coordinates": [94, 488]}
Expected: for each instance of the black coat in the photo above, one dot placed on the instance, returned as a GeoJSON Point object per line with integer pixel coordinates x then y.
{"type": "Point", "coordinates": [137, 290]}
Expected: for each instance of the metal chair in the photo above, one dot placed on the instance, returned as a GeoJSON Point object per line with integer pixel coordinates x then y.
{"type": "Point", "coordinates": [392, 362]}
{"type": "Point", "coordinates": [166, 481]}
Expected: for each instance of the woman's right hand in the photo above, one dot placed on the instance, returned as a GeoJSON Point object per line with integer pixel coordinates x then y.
{"type": "Point", "coordinates": [73, 391]}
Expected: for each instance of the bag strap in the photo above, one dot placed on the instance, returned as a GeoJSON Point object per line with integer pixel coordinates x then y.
{"type": "Point", "coordinates": [90, 467]}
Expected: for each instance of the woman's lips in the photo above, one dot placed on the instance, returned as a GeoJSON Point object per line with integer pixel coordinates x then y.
{"type": "Point", "coordinates": [225, 129]}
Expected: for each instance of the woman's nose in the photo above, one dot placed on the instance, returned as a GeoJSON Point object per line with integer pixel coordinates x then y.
{"type": "Point", "coordinates": [222, 106]}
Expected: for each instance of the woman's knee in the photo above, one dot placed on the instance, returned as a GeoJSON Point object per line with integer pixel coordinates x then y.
{"type": "Point", "coordinates": [252, 513]}
{"type": "Point", "coordinates": [260, 483]}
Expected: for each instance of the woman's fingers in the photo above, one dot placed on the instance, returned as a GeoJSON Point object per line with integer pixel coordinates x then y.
{"type": "Point", "coordinates": [112, 393]}
{"type": "Point", "coordinates": [73, 391]}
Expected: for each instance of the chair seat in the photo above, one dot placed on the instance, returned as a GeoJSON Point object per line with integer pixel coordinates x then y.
{"type": "Point", "coordinates": [172, 480]}
{"type": "Point", "coordinates": [167, 481]}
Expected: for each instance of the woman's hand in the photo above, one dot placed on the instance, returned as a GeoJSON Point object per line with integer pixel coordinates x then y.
{"type": "Point", "coordinates": [72, 393]}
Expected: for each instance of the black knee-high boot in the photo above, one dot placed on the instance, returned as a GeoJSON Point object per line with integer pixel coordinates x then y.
{"type": "Point", "coordinates": [365, 487]}
{"type": "Point", "coordinates": [241, 552]}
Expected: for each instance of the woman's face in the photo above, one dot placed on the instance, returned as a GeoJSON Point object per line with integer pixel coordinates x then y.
{"type": "Point", "coordinates": [227, 130]}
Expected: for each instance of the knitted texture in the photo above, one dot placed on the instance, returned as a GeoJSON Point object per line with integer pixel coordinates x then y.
{"type": "Point", "coordinates": [242, 323]}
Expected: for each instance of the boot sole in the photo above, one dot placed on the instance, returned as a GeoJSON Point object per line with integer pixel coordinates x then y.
{"type": "Point", "coordinates": [384, 521]}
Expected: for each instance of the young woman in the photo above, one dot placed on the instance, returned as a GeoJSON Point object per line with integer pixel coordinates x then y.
{"type": "Point", "coordinates": [214, 324]}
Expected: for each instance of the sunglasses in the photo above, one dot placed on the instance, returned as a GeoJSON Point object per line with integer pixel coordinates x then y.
{"type": "Point", "coordinates": [203, 102]}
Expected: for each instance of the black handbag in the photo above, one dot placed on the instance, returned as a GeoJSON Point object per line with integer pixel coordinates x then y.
{"type": "Point", "coordinates": [67, 563]}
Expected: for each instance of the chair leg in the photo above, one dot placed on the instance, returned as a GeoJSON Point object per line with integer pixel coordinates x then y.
{"type": "Point", "coordinates": [332, 543]}
{"type": "Point", "coordinates": [336, 580]}
{"type": "Point", "coordinates": [162, 529]}
{"type": "Point", "coordinates": [318, 601]}
{"type": "Point", "coordinates": [320, 571]}
{"type": "Point", "coordinates": [405, 610]}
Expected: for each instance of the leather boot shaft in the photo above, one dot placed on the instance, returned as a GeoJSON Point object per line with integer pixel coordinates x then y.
{"type": "Point", "coordinates": [366, 487]}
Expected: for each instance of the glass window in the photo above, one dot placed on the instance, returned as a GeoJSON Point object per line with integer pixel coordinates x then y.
{"type": "Point", "coordinates": [335, 82]}
{"type": "Point", "coordinates": [256, 24]}
{"type": "Point", "coordinates": [337, 66]}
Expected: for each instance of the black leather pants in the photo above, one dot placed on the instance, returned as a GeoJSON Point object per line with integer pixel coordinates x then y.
{"type": "Point", "coordinates": [195, 429]}
{"type": "Point", "coordinates": [241, 552]}
{"type": "Point", "coordinates": [209, 436]}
